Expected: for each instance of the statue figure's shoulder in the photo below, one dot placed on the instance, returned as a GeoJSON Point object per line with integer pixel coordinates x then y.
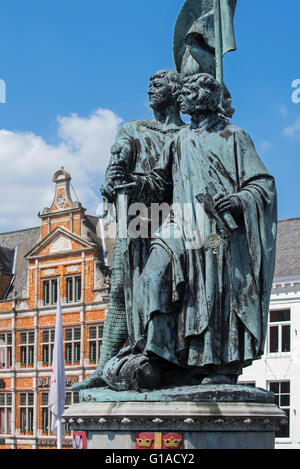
{"type": "Point", "coordinates": [137, 126]}
{"type": "Point", "coordinates": [228, 129]}
{"type": "Point", "coordinates": [128, 127]}
{"type": "Point", "coordinates": [129, 131]}
{"type": "Point", "coordinates": [242, 145]}
{"type": "Point", "coordinates": [157, 127]}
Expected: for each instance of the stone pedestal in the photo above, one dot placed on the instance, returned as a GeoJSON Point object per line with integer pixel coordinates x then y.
{"type": "Point", "coordinates": [202, 417]}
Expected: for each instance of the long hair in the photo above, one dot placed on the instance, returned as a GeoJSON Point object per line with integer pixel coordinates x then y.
{"type": "Point", "coordinates": [211, 90]}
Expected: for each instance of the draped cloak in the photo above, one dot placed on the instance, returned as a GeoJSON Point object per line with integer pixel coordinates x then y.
{"type": "Point", "coordinates": [142, 144]}
{"type": "Point", "coordinates": [209, 307]}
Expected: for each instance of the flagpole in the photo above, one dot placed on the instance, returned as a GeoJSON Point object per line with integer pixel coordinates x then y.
{"type": "Point", "coordinates": [59, 434]}
{"type": "Point", "coordinates": [218, 45]}
{"type": "Point", "coordinates": [57, 393]}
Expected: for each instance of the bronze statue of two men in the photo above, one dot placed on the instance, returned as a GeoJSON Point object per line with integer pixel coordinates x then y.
{"type": "Point", "coordinates": [188, 311]}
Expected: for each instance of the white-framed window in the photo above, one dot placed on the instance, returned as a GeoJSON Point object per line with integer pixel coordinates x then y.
{"type": "Point", "coordinates": [46, 414]}
{"type": "Point", "coordinates": [48, 336]}
{"type": "Point", "coordinates": [27, 348]}
{"type": "Point", "coordinates": [5, 412]}
{"type": "Point", "coordinates": [26, 412]}
{"type": "Point", "coordinates": [279, 331]}
{"type": "Point", "coordinates": [95, 342]}
{"type": "Point", "coordinates": [73, 288]}
{"type": "Point", "coordinates": [50, 291]}
{"type": "Point", "coordinates": [72, 345]}
{"type": "Point", "coordinates": [71, 398]}
{"type": "Point", "coordinates": [282, 393]}
{"type": "Point", "coordinates": [5, 349]}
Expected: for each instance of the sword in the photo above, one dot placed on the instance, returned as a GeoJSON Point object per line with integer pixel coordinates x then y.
{"type": "Point", "coordinates": [121, 189]}
{"type": "Point", "coordinates": [122, 208]}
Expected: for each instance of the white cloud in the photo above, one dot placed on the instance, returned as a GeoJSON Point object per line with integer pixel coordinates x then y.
{"type": "Point", "coordinates": [293, 131]}
{"type": "Point", "coordinates": [28, 164]}
{"type": "Point", "coordinates": [284, 111]}
{"type": "Point", "coordinates": [265, 146]}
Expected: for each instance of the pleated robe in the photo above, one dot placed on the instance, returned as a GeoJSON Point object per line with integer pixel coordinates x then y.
{"type": "Point", "coordinates": [197, 306]}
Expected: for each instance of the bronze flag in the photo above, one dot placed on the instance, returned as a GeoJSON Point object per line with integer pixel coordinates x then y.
{"type": "Point", "coordinates": [194, 35]}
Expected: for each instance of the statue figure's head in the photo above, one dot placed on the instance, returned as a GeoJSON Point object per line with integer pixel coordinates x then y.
{"type": "Point", "coordinates": [200, 93]}
{"type": "Point", "coordinates": [164, 89]}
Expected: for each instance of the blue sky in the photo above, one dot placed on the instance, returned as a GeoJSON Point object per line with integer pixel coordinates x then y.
{"type": "Point", "coordinates": [88, 62]}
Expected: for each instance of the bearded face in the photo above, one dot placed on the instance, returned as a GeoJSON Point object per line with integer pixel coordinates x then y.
{"type": "Point", "coordinates": [159, 92]}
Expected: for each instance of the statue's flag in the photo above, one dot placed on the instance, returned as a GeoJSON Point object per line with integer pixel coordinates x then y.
{"type": "Point", "coordinates": [227, 8]}
{"type": "Point", "coordinates": [195, 36]}
{"type": "Point", "coordinates": [57, 394]}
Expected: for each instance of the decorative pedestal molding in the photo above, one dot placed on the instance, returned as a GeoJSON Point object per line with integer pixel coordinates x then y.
{"type": "Point", "coordinates": [178, 424]}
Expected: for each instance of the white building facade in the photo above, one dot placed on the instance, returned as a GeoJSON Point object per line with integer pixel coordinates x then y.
{"type": "Point", "coordinates": [279, 368]}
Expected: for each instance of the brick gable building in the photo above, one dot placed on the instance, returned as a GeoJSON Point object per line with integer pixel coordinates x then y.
{"type": "Point", "coordinates": [67, 249]}
{"type": "Point", "coordinates": [64, 250]}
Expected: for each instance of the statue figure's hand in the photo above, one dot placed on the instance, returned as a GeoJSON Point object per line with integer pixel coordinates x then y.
{"type": "Point", "coordinates": [108, 191]}
{"type": "Point", "coordinates": [224, 203]}
{"type": "Point", "coordinates": [119, 174]}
